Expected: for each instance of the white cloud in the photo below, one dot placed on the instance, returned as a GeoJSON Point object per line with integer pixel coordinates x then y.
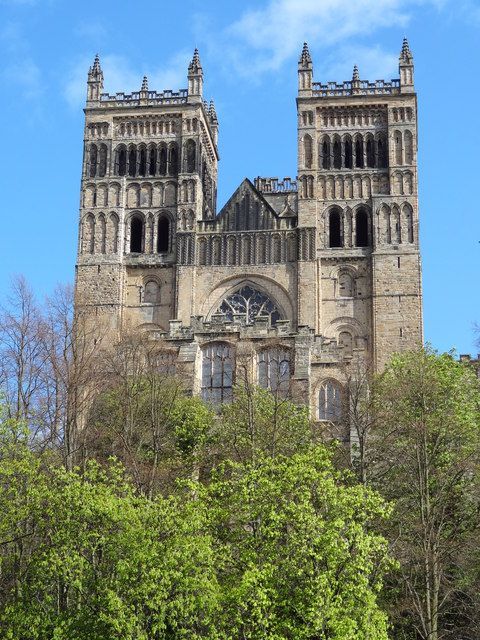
{"type": "Point", "coordinates": [120, 75]}
{"type": "Point", "coordinates": [264, 39]}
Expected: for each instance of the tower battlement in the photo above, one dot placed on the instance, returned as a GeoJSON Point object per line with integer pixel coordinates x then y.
{"type": "Point", "coordinates": [275, 185]}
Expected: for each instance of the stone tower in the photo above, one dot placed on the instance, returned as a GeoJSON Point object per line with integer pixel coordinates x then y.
{"type": "Point", "coordinates": [149, 174]}
{"type": "Point", "coordinates": [357, 168]}
{"type": "Point", "coordinates": [300, 279]}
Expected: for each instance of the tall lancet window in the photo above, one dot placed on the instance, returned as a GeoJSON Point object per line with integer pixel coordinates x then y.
{"type": "Point", "coordinates": [217, 373]}
{"type": "Point", "coordinates": [274, 370]}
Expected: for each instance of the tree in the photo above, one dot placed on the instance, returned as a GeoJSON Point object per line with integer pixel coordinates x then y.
{"type": "Point", "coordinates": [48, 366]}
{"type": "Point", "coordinates": [83, 557]}
{"type": "Point", "coordinates": [295, 553]}
{"type": "Point", "coordinates": [425, 448]}
{"type": "Point", "coordinates": [258, 423]}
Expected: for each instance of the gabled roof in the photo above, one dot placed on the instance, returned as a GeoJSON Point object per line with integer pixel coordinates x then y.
{"type": "Point", "coordinates": [246, 210]}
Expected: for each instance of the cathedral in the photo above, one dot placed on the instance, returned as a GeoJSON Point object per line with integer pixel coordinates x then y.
{"type": "Point", "coordinates": [294, 281]}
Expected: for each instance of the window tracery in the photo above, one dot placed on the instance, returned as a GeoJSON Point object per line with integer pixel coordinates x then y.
{"type": "Point", "coordinates": [330, 401]}
{"type": "Point", "coordinates": [217, 373]}
{"type": "Point", "coordinates": [251, 304]}
{"type": "Point", "coordinates": [274, 369]}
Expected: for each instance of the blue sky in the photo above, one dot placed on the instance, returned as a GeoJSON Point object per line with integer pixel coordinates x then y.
{"type": "Point", "coordinates": [249, 53]}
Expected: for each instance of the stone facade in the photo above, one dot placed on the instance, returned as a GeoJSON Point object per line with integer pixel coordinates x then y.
{"type": "Point", "coordinates": [294, 279]}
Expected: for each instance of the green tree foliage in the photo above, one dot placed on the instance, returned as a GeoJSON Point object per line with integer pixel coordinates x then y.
{"type": "Point", "coordinates": [424, 456]}
{"type": "Point", "coordinates": [258, 423]}
{"type": "Point", "coordinates": [83, 557]}
{"type": "Point", "coordinates": [275, 548]}
{"type": "Point", "coordinates": [295, 552]}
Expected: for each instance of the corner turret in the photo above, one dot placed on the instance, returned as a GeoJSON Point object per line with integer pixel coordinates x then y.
{"type": "Point", "coordinates": [405, 66]}
{"type": "Point", "coordinates": [195, 79]}
{"type": "Point", "coordinates": [94, 82]}
{"type": "Point", "coordinates": [305, 72]}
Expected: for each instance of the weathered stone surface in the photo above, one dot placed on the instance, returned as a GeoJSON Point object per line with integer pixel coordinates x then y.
{"type": "Point", "coordinates": [336, 250]}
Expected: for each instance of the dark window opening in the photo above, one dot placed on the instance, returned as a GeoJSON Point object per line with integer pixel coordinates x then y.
{"type": "Point", "coordinates": [163, 240]}
{"type": "Point", "coordinates": [93, 161]}
{"type": "Point", "coordinates": [361, 234]}
{"type": "Point", "coordinates": [326, 155]}
{"type": "Point", "coordinates": [132, 163]}
{"type": "Point", "coordinates": [122, 162]}
{"type": "Point", "coordinates": [102, 170]}
{"type": "Point", "coordinates": [370, 153]}
{"type": "Point", "coordinates": [142, 165]}
{"type": "Point", "coordinates": [335, 229]}
{"type": "Point", "coordinates": [173, 160]}
{"type": "Point", "coordinates": [337, 155]}
{"type": "Point", "coordinates": [136, 235]}
{"type": "Point", "coordinates": [152, 165]}
{"type": "Point", "coordinates": [359, 153]}
{"type": "Point", "coordinates": [163, 161]}
{"type": "Point", "coordinates": [190, 159]}
{"type": "Point", "coordinates": [382, 153]}
{"type": "Point", "coordinates": [348, 154]}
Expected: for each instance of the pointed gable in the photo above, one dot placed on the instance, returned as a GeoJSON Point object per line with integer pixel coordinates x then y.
{"type": "Point", "coordinates": [246, 210]}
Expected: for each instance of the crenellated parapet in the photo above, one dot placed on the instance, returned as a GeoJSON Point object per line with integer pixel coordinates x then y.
{"type": "Point", "coordinates": [361, 88]}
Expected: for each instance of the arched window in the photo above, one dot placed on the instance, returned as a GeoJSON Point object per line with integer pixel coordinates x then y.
{"type": "Point", "coordinates": [136, 235]}
{"type": "Point", "coordinates": [150, 292]}
{"type": "Point", "coordinates": [103, 234]}
{"type": "Point", "coordinates": [382, 152]}
{"type": "Point", "coordinates": [121, 161]}
{"type": "Point", "coordinates": [102, 169]}
{"type": "Point", "coordinates": [408, 216]}
{"type": "Point", "coordinates": [307, 151]}
{"type": "Point", "coordinates": [216, 250]}
{"type": "Point", "coordinates": [325, 153]}
{"type": "Point", "coordinates": [337, 154]}
{"type": "Point", "coordinates": [173, 159]}
{"type": "Point", "coordinates": [250, 304]}
{"type": "Point", "coordinates": [113, 233]}
{"type": "Point", "coordinates": [163, 237]}
{"type": "Point", "coordinates": [163, 161]}
{"type": "Point", "coordinates": [330, 401]}
{"type": "Point", "coordinates": [345, 342]}
{"type": "Point", "coordinates": [345, 285]}
{"type": "Point", "coordinates": [89, 234]}
{"type": "Point", "coordinates": [152, 161]}
{"type": "Point", "coordinates": [217, 373]}
{"type": "Point", "coordinates": [273, 367]}
{"type": "Point", "coordinates": [370, 152]}
{"type": "Point", "coordinates": [335, 233]}
{"type": "Point", "coordinates": [93, 159]}
{"type": "Point", "coordinates": [397, 136]}
{"type": "Point", "coordinates": [142, 162]}
{"type": "Point", "coordinates": [359, 152]}
{"type": "Point", "coordinates": [190, 156]}
{"type": "Point", "coordinates": [386, 223]}
{"type": "Point", "coordinates": [132, 162]}
{"type": "Point", "coordinates": [348, 153]}
{"type": "Point", "coordinates": [361, 228]}
{"type": "Point", "coordinates": [408, 147]}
